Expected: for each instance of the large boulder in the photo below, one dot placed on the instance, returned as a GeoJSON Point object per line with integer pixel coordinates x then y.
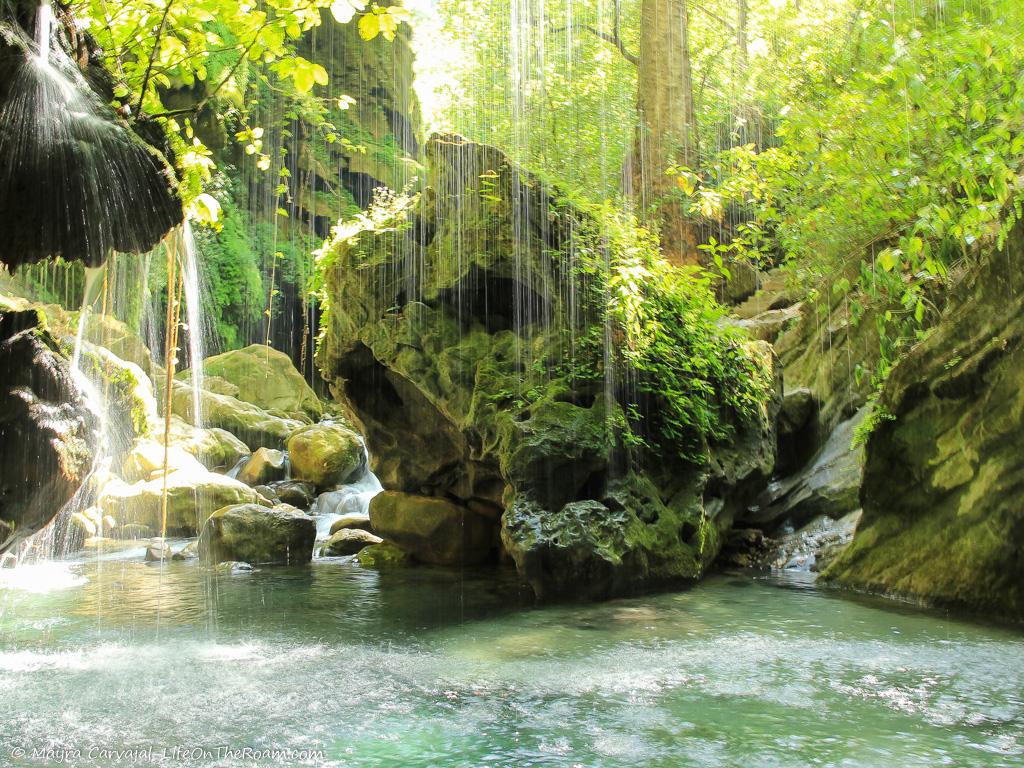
{"type": "Point", "coordinates": [255, 534]}
{"type": "Point", "coordinates": [45, 425]}
{"type": "Point", "coordinates": [499, 381]}
{"type": "Point", "coordinates": [254, 426]}
{"type": "Point", "coordinates": [944, 467]}
{"type": "Point", "coordinates": [432, 530]}
{"type": "Point", "coordinates": [325, 454]}
{"type": "Point", "coordinates": [192, 496]}
{"type": "Point", "coordinates": [266, 378]}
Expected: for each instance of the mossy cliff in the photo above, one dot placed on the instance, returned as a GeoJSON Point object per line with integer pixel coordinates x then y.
{"type": "Point", "coordinates": [944, 468]}
{"type": "Point", "coordinates": [536, 363]}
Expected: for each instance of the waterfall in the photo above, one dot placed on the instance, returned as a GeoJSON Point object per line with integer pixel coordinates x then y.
{"type": "Point", "coordinates": [189, 266]}
{"type": "Point", "coordinates": [44, 28]}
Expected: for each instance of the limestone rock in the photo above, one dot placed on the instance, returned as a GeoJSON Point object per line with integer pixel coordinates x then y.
{"type": "Point", "coordinates": [325, 454]}
{"type": "Point", "coordinates": [215, 449]}
{"type": "Point", "coordinates": [258, 535]}
{"type": "Point", "coordinates": [145, 461]}
{"type": "Point", "coordinates": [944, 466]}
{"type": "Point", "coordinates": [192, 496]}
{"type": "Point", "coordinates": [254, 426]}
{"type": "Point", "coordinates": [828, 486]}
{"type": "Point", "coordinates": [264, 466]}
{"type": "Point", "coordinates": [461, 389]}
{"type": "Point", "coordinates": [432, 530]}
{"type": "Point", "coordinates": [265, 378]}
{"type": "Point", "coordinates": [348, 541]}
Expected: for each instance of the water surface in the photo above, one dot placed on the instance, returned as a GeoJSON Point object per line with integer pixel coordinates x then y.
{"type": "Point", "coordinates": [427, 667]}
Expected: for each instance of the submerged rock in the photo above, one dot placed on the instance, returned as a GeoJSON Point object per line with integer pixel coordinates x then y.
{"type": "Point", "coordinates": [383, 555]}
{"type": "Point", "coordinates": [45, 428]}
{"type": "Point", "coordinates": [944, 467]}
{"type": "Point", "coordinates": [325, 454]}
{"type": "Point", "coordinates": [264, 466]}
{"type": "Point", "coordinates": [158, 550]}
{"type": "Point", "coordinates": [348, 541]}
{"type": "Point", "coordinates": [432, 530]}
{"type": "Point", "coordinates": [258, 535]}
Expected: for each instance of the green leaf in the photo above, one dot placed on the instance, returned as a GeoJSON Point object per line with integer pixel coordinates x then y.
{"type": "Point", "coordinates": [369, 26]}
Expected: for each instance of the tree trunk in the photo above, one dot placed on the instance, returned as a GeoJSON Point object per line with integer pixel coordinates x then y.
{"type": "Point", "coordinates": [667, 128]}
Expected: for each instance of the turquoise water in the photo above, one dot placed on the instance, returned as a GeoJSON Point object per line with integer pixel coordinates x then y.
{"type": "Point", "coordinates": [351, 667]}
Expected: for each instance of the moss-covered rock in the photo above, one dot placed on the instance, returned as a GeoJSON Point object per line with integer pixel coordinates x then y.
{"type": "Point", "coordinates": [497, 363]}
{"type": "Point", "coordinates": [944, 468]}
{"type": "Point", "coordinates": [258, 535]}
{"type": "Point", "coordinates": [325, 454]}
{"type": "Point", "coordinates": [383, 555]}
{"type": "Point", "coordinates": [192, 496]}
{"type": "Point", "coordinates": [432, 530]}
{"type": "Point", "coordinates": [266, 378]}
{"type": "Point", "coordinates": [254, 426]}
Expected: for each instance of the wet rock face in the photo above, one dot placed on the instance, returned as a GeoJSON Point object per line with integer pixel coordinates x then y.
{"type": "Point", "coordinates": [944, 475]}
{"type": "Point", "coordinates": [449, 342]}
{"type": "Point", "coordinates": [45, 429]}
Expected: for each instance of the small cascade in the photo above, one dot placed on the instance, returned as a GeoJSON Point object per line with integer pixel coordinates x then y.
{"type": "Point", "coordinates": [349, 499]}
